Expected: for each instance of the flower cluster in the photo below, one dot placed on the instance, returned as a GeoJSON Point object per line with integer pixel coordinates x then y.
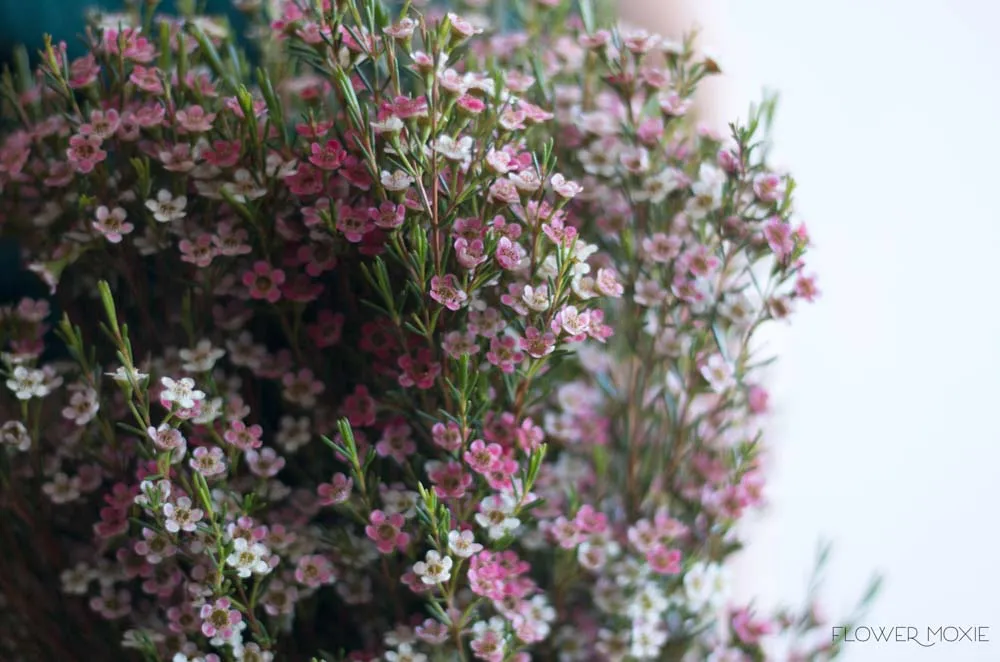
{"type": "Point", "coordinates": [427, 341]}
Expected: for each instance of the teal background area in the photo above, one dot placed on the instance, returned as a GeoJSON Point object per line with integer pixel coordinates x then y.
{"type": "Point", "coordinates": [25, 21]}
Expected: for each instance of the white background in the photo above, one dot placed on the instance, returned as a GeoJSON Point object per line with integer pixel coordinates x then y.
{"type": "Point", "coordinates": [886, 397]}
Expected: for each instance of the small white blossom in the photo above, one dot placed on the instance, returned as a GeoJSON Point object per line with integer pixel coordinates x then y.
{"type": "Point", "coordinates": [656, 188]}
{"type": "Point", "coordinates": [210, 410]}
{"type": "Point", "coordinates": [152, 494]}
{"type": "Point", "coordinates": [536, 298]}
{"type": "Point", "coordinates": [396, 181]}
{"type": "Point", "coordinates": [62, 488]}
{"type": "Point", "coordinates": [15, 434]}
{"type": "Point", "coordinates": [736, 307]}
{"type": "Point", "coordinates": [455, 150]}
{"type": "Point", "coordinates": [434, 569]}
{"type": "Point", "coordinates": [496, 515]}
{"type": "Point", "coordinates": [647, 641]}
{"type": "Point", "coordinates": [649, 603]}
{"type": "Point", "coordinates": [76, 580]}
{"type": "Point", "coordinates": [391, 124]}
{"type": "Point", "coordinates": [27, 383]}
{"type": "Point", "coordinates": [180, 516]}
{"type": "Point", "coordinates": [166, 207]}
{"type": "Point", "coordinates": [294, 433]}
{"type": "Point", "coordinates": [202, 358]}
{"type": "Point", "coordinates": [83, 406]}
{"type": "Point", "coordinates": [718, 373]}
{"type": "Point", "coordinates": [249, 558]}
{"type": "Point", "coordinates": [564, 187]}
{"type": "Point", "coordinates": [705, 584]}
{"type": "Point", "coordinates": [707, 191]}
{"type": "Point", "coordinates": [405, 653]}
{"type": "Point", "coordinates": [244, 187]}
{"type": "Point", "coordinates": [180, 391]}
{"type": "Point", "coordinates": [463, 544]}
{"type": "Point", "coordinates": [403, 502]}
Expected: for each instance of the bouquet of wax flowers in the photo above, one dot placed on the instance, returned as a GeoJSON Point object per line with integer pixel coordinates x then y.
{"type": "Point", "coordinates": [386, 333]}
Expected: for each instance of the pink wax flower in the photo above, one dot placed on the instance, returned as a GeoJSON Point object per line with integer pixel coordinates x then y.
{"type": "Point", "coordinates": [385, 531]}
{"type": "Point", "coordinates": [218, 619]}
{"type": "Point", "coordinates": [264, 281]}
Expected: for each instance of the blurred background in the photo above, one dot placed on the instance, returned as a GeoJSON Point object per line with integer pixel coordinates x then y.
{"type": "Point", "coordinates": [885, 436]}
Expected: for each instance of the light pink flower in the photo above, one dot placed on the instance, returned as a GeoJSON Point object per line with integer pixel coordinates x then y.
{"type": "Point", "coordinates": [181, 516]}
{"type": "Point", "coordinates": [112, 224]}
{"type": "Point", "coordinates": [218, 619]}
{"type": "Point", "coordinates": [194, 119]}
{"type": "Point", "coordinates": [447, 291]}
{"type": "Point", "coordinates": [769, 187]}
{"type": "Point", "coordinates": [386, 532]}
{"type": "Point", "coordinates": [509, 254]}
{"type": "Point", "coordinates": [566, 188]}
{"type": "Point", "coordinates": [265, 463]}
{"type": "Point", "coordinates": [337, 491]}
{"type": "Point", "coordinates": [504, 353]}
{"type": "Point", "coordinates": [663, 560]}
{"type": "Point", "coordinates": [85, 152]}
{"type": "Point", "coordinates": [208, 462]}
{"type": "Point", "coordinates": [264, 281]}
{"type": "Point", "coordinates": [779, 237]}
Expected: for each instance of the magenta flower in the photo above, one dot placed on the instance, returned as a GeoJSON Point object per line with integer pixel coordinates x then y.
{"type": "Point", "coordinates": [223, 154]}
{"type": "Point", "coordinates": [749, 630]}
{"type": "Point", "coordinates": [329, 156]}
{"type": "Point", "coordinates": [388, 216]}
{"type": "Point", "coordinates": [504, 191]}
{"type": "Point", "coordinates": [154, 546]}
{"type": "Point", "coordinates": [470, 104]}
{"type": "Point", "coordinates": [354, 224]}
{"type": "Point", "coordinates": [307, 180]}
{"type": "Point", "coordinates": [457, 344]}
{"type": "Point", "coordinates": [565, 188]}
{"type": "Point", "coordinates": [327, 330]}
{"type": "Point", "coordinates": [421, 371]}
{"type": "Point", "coordinates": [359, 407]}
